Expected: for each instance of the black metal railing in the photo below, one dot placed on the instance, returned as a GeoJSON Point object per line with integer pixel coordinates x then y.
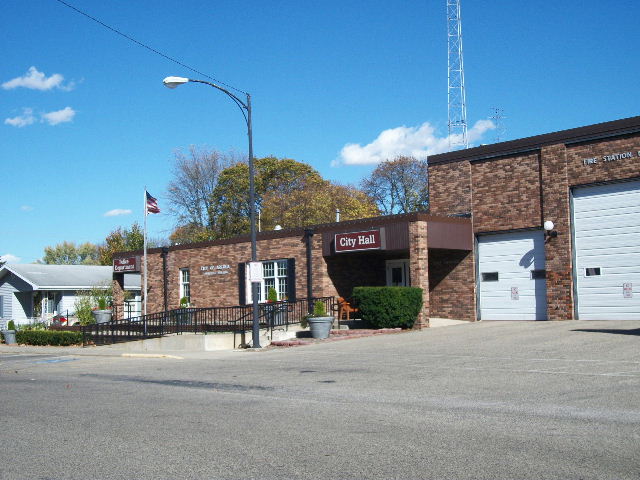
{"type": "Point", "coordinates": [235, 320]}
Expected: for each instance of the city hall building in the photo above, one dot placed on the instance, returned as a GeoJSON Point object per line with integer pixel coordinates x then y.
{"type": "Point", "coordinates": [481, 253]}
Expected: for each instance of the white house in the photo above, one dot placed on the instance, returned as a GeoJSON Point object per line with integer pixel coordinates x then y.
{"type": "Point", "coordinates": [36, 292]}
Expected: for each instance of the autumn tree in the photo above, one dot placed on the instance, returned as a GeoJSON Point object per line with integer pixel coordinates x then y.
{"type": "Point", "coordinates": [399, 185]}
{"type": "Point", "coordinates": [274, 178]}
{"type": "Point", "coordinates": [315, 204]}
{"type": "Point", "coordinates": [68, 253]}
{"type": "Point", "coordinates": [121, 240]}
{"type": "Point", "coordinates": [195, 176]}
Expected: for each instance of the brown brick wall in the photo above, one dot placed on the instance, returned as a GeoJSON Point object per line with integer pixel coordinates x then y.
{"type": "Point", "coordinates": [451, 284]}
{"type": "Point", "coordinates": [449, 188]}
{"type": "Point", "coordinates": [506, 193]}
{"type": "Point", "coordinates": [419, 267]}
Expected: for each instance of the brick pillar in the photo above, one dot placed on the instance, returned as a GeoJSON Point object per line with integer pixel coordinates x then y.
{"type": "Point", "coordinates": [419, 267]}
{"type": "Point", "coordinates": [556, 207]}
{"type": "Point", "coordinates": [118, 295]}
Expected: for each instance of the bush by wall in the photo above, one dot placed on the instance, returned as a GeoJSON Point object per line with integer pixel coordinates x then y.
{"type": "Point", "coordinates": [389, 307]}
{"type": "Point", "coordinates": [48, 337]}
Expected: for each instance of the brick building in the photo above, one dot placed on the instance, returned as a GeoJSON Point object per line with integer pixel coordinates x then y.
{"type": "Point", "coordinates": [482, 252]}
{"type": "Point", "coordinates": [586, 181]}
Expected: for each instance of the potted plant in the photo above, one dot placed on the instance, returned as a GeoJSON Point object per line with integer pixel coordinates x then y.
{"type": "Point", "coordinates": [102, 297]}
{"type": "Point", "coordinates": [319, 322]}
{"type": "Point", "coordinates": [183, 313]}
{"type": "Point", "coordinates": [10, 333]}
{"type": "Point", "coordinates": [275, 311]}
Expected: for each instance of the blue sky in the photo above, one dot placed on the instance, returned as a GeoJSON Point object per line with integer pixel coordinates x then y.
{"type": "Point", "coordinates": [86, 122]}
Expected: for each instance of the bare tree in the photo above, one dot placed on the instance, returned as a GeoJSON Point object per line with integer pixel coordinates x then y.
{"type": "Point", "coordinates": [195, 176]}
{"type": "Point", "coordinates": [399, 185]}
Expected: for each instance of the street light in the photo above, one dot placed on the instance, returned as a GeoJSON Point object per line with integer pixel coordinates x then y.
{"type": "Point", "coordinates": [245, 108]}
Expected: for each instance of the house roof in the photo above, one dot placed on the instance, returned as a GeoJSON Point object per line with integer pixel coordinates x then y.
{"type": "Point", "coordinates": [67, 277]}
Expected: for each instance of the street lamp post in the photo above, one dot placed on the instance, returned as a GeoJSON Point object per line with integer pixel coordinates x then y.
{"type": "Point", "coordinates": [245, 108]}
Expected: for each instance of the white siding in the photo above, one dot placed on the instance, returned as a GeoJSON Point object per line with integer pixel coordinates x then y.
{"type": "Point", "coordinates": [67, 303]}
{"type": "Point", "coordinates": [606, 221]}
{"type": "Point", "coordinates": [515, 295]}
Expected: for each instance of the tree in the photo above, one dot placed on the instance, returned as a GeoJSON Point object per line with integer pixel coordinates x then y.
{"type": "Point", "coordinates": [121, 240]}
{"type": "Point", "coordinates": [195, 176]}
{"type": "Point", "coordinates": [274, 177]}
{"type": "Point", "coordinates": [317, 203]}
{"type": "Point", "coordinates": [68, 253]}
{"type": "Point", "coordinates": [399, 185]}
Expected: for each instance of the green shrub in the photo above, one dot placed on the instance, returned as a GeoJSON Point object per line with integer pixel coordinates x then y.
{"type": "Point", "coordinates": [32, 326]}
{"type": "Point", "coordinates": [272, 295]}
{"type": "Point", "coordinates": [11, 325]}
{"type": "Point", "coordinates": [84, 308]}
{"type": "Point", "coordinates": [389, 307]}
{"type": "Point", "coordinates": [319, 309]}
{"type": "Point", "coordinates": [48, 337]}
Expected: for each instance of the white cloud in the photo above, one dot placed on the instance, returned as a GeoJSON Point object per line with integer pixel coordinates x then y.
{"type": "Point", "coordinates": [9, 258]}
{"type": "Point", "coordinates": [27, 118]}
{"type": "Point", "coordinates": [59, 116]}
{"type": "Point", "coordinates": [417, 142]}
{"type": "Point", "coordinates": [36, 80]}
{"type": "Point", "coordinates": [117, 211]}
{"type": "Point", "coordinates": [26, 208]}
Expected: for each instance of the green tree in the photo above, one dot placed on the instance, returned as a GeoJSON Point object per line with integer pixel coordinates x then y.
{"type": "Point", "coordinates": [273, 176]}
{"type": "Point", "coordinates": [68, 253]}
{"type": "Point", "coordinates": [399, 185]}
{"type": "Point", "coordinates": [122, 240]}
{"type": "Point", "coordinates": [317, 203]}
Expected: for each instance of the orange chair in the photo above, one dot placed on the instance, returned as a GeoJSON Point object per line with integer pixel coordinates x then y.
{"type": "Point", "coordinates": [345, 309]}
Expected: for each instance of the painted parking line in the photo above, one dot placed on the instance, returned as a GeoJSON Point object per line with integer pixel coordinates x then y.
{"type": "Point", "coordinates": [56, 360]}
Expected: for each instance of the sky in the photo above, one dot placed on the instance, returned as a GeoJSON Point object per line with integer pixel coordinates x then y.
{"type": "Point", "coordinates": [86, 122]}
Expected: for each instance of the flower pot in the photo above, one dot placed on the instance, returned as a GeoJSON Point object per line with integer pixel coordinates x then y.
{"type": "Point", "coordinates": [320, 326]}
{"type": "Point", "coordinates": [9, 336]}
{"type": "Point", "coordinates": [102, 316]}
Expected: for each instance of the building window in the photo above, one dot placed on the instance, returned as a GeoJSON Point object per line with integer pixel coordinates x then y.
{"type": "Point", "coordinates": [592, 271]}
{"type": "Point", "coordinates": [276, 275]}
{"type": "Point", "coordinates": [489, 276]}
{"type": "Point", "coordinates": [185, 286]}
{"type": "Point", "coordinates": [538, 274]}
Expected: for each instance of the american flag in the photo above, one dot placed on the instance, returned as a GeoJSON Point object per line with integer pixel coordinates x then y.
{"type": "Point", "coordinates": [152, 204]}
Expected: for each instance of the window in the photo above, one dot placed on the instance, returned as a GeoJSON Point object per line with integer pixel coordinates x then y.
{"type": "Point", "coordinates": [592, 272]}
{"type": "Point", "coordinates": [489, 276]}
{"type": "Point", "coordinates": [185, 286]}
{"type": "Point", "coordinates": [538, 274]}
{"type": "Point", "coordinates": [276, 275]}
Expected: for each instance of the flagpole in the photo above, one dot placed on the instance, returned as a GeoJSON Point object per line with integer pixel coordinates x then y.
{"type": "Point", "coordinates": [145, 251]}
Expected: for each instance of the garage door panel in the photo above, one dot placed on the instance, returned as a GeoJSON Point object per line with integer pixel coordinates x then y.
{"type": "Point", "coordinates": [515, 295]}
{"type": "Point", "coordinates": [607, 237]}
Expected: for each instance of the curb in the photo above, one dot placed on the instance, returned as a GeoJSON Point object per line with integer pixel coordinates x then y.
{"type": "Point", "coordinates": [336, 335]}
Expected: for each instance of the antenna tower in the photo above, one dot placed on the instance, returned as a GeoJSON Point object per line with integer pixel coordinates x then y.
{"type": "Point", "coordinates": [497, 115]}
{"type": "Point", "coordinates": [457, 102]}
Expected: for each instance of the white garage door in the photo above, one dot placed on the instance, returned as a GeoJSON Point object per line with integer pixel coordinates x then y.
{"type": "Point", "coordinates": [606, 221]}
{"type": "Point", "coordinates": [512, 276]}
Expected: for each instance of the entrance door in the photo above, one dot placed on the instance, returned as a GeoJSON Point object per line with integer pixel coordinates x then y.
{"type": "Point", "coordinates": [397, 273]}
{"type": "Point", "coordinates": [512, 277]}
{"type": "Point", "coordinates": [606, 221]}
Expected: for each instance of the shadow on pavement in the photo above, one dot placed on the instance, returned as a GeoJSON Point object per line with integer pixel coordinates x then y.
{"type": "Point", "coordinates": [619, 331]}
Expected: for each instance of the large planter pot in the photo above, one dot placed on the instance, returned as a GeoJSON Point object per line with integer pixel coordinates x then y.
{"type": "Point", "coordinates": [102, 316]}
{"type": "Point", "coordinates": [320, 326]}
{"type": "Point", "coordinates": [9, 336]}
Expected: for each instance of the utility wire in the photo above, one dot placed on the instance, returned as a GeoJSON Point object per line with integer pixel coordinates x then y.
{"type": "Point", "coordinates": [151, 49]}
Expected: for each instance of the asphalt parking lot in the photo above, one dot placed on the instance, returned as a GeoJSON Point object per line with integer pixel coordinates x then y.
{"type": "Point", "coordinates": [490, 400]}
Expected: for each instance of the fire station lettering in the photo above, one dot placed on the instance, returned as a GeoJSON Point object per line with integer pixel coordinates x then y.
{"type": "Point", "coordinates": [355, 241]}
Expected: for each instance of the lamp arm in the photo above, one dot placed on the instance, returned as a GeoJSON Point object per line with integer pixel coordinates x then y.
{"type": "Point", "coordinates": [244, 108]}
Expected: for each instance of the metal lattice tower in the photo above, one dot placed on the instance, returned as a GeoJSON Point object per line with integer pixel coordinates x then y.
{"type": "Point", "coordinates": [457, 101]}
{"type": "Point", "coordinates": [497, 116]}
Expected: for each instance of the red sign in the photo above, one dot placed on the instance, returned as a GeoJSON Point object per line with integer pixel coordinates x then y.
{"type": "Point", "coordinates": [125, 265]}
{"type": "Point", "coordinates": [357, 241]}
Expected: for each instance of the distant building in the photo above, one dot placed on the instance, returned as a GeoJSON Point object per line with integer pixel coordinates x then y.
{"type": "Point", "coordinates": [38, 292]}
